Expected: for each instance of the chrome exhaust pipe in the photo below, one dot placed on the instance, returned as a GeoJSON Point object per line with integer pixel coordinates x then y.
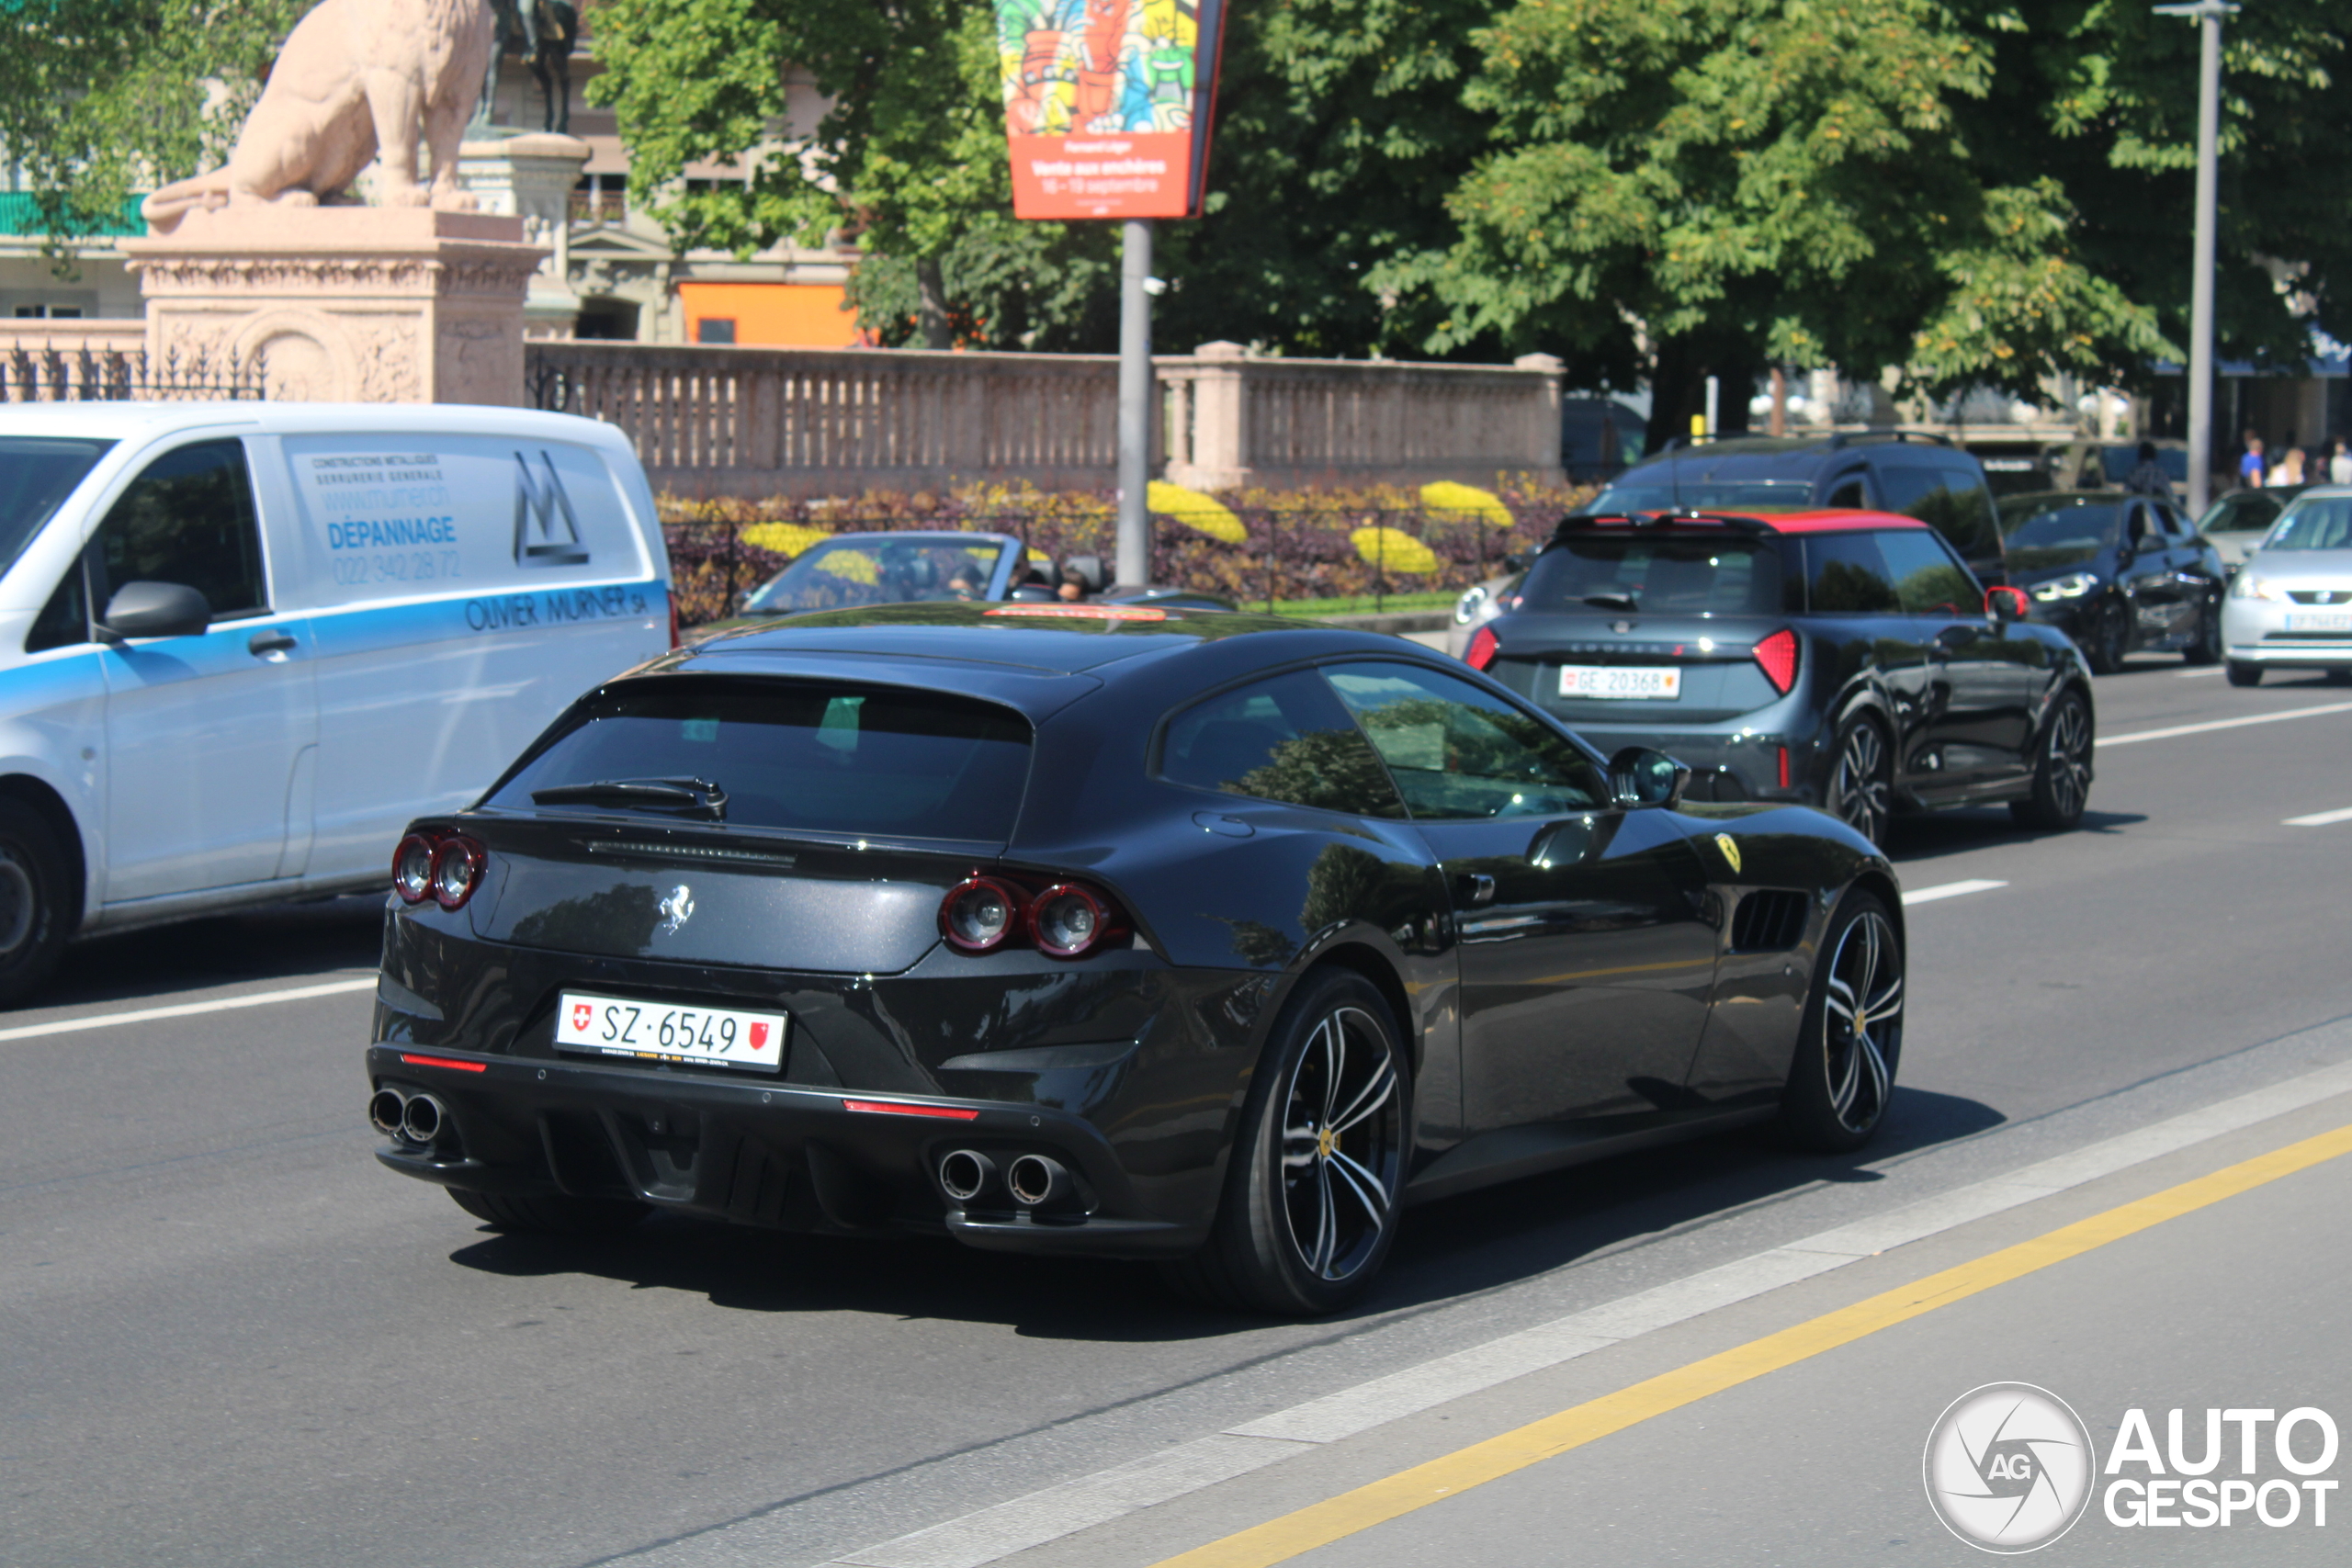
{"type": "Point", "coordinates": [965, 1174]}
{"type": "Point", "coordinates": [1037, 1182]}
{"type": "Point", "coordinates": [384, 1110]}
{"type": "Point", "coordinates": [422, 1119]}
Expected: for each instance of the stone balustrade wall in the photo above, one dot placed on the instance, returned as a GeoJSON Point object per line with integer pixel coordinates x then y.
{"type": "Point", "coordinates": [755, 423]}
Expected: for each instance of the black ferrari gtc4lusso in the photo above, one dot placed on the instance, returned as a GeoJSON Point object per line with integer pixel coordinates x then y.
{"type": "Point", "coordinates": [1125, 931]}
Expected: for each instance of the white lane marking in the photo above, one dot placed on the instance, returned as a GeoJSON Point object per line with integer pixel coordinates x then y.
{"type": "Point", "coordinates": [987, 1534]}
{"type": "Point", "coordinates": [187, 1009]}
{"type": "Point", "coordinates": [1947, 890]}
{"type": "Point", "coordinates": [2223, 724]}
{"type": "Point", "coordinates": [2318, 819]}
{"type": "Point", "coordinates": [2199, 674]}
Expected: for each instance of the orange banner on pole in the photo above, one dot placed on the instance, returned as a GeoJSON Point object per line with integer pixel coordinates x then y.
{"type": "Point", "coordinates": [1107, 104]}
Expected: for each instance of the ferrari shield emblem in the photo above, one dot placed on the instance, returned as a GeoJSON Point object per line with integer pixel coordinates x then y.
{"type": "Point", "coordinates": [1730, 847]}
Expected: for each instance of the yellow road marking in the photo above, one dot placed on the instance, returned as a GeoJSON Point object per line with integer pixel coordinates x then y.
{"type": "Point", "coordinates": [1319, 1524]}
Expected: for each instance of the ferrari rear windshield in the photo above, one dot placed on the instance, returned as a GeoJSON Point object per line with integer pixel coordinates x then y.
{"type": "Point", "coordinates": [1657, 574]}
{"type": "Point", "coordinates": [829, 758]}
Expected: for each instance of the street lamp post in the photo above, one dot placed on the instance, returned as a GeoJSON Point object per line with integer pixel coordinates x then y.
{"type": "Point", "coordinates": [2209, 15]}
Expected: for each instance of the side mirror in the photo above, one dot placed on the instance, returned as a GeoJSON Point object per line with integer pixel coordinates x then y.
{"type": "Point", "coordinates": [1640, 777]}
{"type": "Point", "coordinates": [154, 609]}
{"type": "Point", "coordinates": [2007, 605]}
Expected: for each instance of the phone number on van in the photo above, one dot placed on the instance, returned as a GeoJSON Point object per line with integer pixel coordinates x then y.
{"type": "Point", "coordinates": [421, 566]}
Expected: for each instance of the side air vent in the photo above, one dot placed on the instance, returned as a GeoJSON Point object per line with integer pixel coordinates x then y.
{"type": "Point", "coordinates": [1768, 921]}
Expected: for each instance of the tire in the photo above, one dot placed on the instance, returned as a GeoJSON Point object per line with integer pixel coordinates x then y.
{"type": "Point", "coordinates": [2339, 677]}
{"type": "Point", "coordinates": [1861, 779]}
{"type": "Point", "coordinates": [2207, 649]}
{"type": "Point", "coordinates": [549, 1214]}
{"type": "Point", "coordinates": [1851, 1041]}
{"type": "Point", "coordinates": [1310, 1206]}
{"type": "Point", "coordinates": [2110, 640]}
{"type": "Point", "coordinates": [2242, 673]}
{"type": "Point", "coordinates": [36, 902]}
{"type": "Point", "coordinates": [2061, 768]}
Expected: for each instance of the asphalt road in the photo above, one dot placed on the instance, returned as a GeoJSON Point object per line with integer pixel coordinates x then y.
{"type": "Point", "coordinates": [231, 1338]}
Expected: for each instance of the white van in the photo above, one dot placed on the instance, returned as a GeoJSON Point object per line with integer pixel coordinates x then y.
{"type": "Point", "coordinates": [243, 644]}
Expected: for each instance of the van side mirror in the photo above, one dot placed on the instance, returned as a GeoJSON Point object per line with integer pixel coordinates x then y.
{"type": "Point", "coordinates": [1639, 777]}
{"type": "Point", "coordinates": [2005, 605]}
{"type": "Point", "coordinates": [154, 609]}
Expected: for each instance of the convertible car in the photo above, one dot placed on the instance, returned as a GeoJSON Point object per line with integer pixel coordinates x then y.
{"type": "Point", "coordinates": [1127, 930]}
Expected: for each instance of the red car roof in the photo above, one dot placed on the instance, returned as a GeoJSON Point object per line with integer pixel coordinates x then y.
{"type": "Point", "coordinates": [1818, 520]}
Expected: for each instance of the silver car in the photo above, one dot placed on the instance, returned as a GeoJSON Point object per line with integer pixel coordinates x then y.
{"type": "Point", "coordinates": [2290, 607]}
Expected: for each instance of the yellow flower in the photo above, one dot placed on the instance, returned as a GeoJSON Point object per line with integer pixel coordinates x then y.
{"type": "Point", "coordinates": [1464, 503]}
{"type": "Point", "coordinates": [784, 538]}
{"type": "Point", "coordinates": [1197, 511]}
{"type": "Point", "coordinates": [1393, 549]}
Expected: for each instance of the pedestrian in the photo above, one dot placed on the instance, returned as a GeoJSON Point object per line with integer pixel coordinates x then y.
{"type": "Point", "coordinates": [2147, 475]}
{"type": "Point", "coordinates": [2250, 466]}
{"type": "Point", "coordinates": [2339, 464]}
{"type": "Point", "coordinates": [2290, 470]}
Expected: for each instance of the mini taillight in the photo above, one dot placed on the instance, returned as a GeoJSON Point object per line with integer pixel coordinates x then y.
{"type": "Point", "coordinates": [980, 913]}
{"type": "Point", "coordinates": [1483, 645]}
{"type": "Point", "coordinates": [1069, 921]}
{"type": "Point", "coordinates": [1777, 657]}
{"type": "Point", "coordinates": [458, 864]}
{"type": "Point", "coordinates": [413, 868]}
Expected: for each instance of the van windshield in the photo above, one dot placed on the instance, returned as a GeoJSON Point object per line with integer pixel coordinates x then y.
{"type": "Point", "coordinates": [1653, 493]}
{"type": "Point", "coordinates": [825, 757]}
{"type": "Point", "coordinates": [36, 473]}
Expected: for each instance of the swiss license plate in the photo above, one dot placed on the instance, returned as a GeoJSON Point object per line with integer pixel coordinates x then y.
{"type": "Point", "coordinates": [2321, 621]}
{"type": "Point", "coordinates": [1624, 682]}
{"type": "Point", "coordinates": [614, 1026]}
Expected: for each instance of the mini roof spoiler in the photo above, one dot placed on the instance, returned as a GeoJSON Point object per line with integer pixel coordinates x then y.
{"type": "Point", "coordinates": [1580, 520]}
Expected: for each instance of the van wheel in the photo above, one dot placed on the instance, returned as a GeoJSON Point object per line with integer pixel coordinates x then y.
{"type": "Point", "coordinates": [1317, 1173]}
{"type": "Point", "coordinates": [34, 898]}
{"type": "Point", "coordinates": [549, 1214]}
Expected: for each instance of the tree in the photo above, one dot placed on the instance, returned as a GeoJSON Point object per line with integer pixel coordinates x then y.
{"type": "Point", "coordinates": [1713, 185]}
{"type": "Point", "coordinates": [101, 99]}
{"type": "Point", "coordinates": [909, 161]}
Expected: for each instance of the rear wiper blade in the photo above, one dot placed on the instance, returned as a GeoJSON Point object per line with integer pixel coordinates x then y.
{"type": "Point", "coordinates": [1612, 601]}
{"type": "Point", "coordinates": [683, 797]}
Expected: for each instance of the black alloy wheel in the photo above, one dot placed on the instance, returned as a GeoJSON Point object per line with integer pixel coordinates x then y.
{"type": "Point", "coordinates": [549, 1214]}
{"type": "Point", "coordinates": [2242, 673]}
{"type": "Point", "coordinates": [1851, 1042]}
{"type": "Point", "coordinates": [2061, 768]}
{"type": "Point", "coordinates": [2207, 649]}
{"type": "Point", "coordinates": [2110, 639]}
{"type": "Point", "coordinates": [1311, 1199]}
{"type": "Point", "coordinates": [34, 899]}
{"type": "Point", "coordinates": [1861, 779]}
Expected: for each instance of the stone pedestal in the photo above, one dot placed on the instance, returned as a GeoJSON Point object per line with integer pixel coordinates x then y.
{"type": "Point", "coordinates": [328, 304]}
{"type": "Point", "coordinates": [531, 175]}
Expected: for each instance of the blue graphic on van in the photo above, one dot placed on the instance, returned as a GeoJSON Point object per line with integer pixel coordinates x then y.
{"type": "Point", "coordinates": [546, 507]}
{"type": "Point", "coordinates": [391, 531]}
{"type": "Point", "coordinates": [511, 612]}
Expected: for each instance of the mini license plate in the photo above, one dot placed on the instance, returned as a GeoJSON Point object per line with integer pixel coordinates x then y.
{"type": "Point", "coordinates": [1622, 681]}
{"type": "Point", "coordinates": [2321, 621]}
{"type": "Point", "coordinates": [614, 1026]}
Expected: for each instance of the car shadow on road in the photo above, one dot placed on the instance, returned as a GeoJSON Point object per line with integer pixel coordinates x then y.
{"type": "Point", "coordinates": [267, 944]}
{"type": "Point", "coordinates": [1916, 840]}
{"type": "Point", "coordinates": [1447, 1250]}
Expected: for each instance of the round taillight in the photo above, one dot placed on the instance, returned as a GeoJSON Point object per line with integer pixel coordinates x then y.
{"type": "Point", "coordinates": [413, 868]}
{"type": "Point", "coordinates": [980, 914]}
{"type": "Point", "coordinates": [456, 872]}
{"type": "Point", "coordinates": [1067, 920]}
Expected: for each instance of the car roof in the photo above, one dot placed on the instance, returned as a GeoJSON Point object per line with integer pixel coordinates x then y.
{"type": "Point", "coordinates": [133, 421]}
{"type": "Point", "coordinates": [1811, 520]}
{"type": "Point", "coordinates": [1778, 456]}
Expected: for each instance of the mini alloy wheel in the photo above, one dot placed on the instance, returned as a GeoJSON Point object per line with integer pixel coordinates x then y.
{"type": "Point", "coordinates": [1843, 1077]}
{"type": "Point", "coordinates": [1861, 794]}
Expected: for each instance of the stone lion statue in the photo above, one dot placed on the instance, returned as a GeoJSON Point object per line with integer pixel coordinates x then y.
{"type": "Point", "coordinates": [357, 78]}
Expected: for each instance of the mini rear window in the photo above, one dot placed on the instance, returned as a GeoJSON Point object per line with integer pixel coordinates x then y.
{"type": "Point", "coordinates": [1656, 574]}
{"type": "Point", "coordinates": [827, 758]}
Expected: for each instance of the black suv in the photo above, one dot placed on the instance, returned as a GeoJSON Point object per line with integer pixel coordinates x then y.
{"type": "Point", "coordinates": [1900, 471]}
{"type": "Point", "coordinates": [1843, 659]}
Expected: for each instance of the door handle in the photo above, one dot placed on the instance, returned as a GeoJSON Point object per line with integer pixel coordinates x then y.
{"type": "Point", "coordinates": [1476, 889]}
{"type": "Point", "coordinates": [268, 641]}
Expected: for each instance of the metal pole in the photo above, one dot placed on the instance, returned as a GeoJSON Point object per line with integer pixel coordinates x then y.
{"type": "Point", "coordinates": [1135, 403]}
{"type": "Point", "coordinates": [2209, 15]}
